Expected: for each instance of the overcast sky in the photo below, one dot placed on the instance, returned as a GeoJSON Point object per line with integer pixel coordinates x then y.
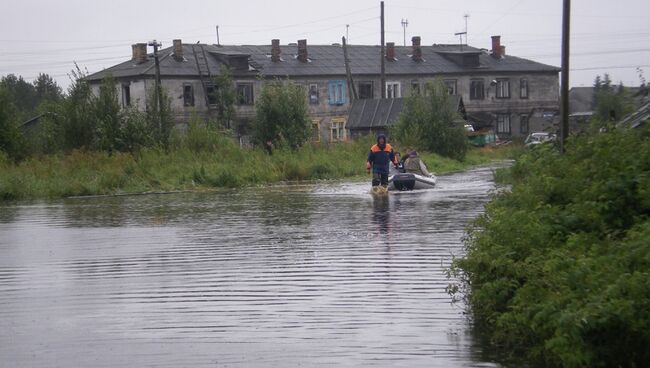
{"type": "Point", "coordinates": [47, 36]}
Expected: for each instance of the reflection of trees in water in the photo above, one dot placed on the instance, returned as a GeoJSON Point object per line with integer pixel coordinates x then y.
{"type": "Point", "coordinates": [8, 214]}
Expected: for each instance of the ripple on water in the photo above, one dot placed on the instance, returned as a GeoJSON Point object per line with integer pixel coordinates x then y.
{"type": "Point", "coordinates": [311, 275]}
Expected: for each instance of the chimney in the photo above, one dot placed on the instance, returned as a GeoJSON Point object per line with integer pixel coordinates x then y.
{"type": "Point", "coordinates": [496, 47]}
{"type": "Point", "coordinates": [503, 51]}
{"type": "Point", "coordinates": [390, 51]}
{"type": "Point", "coordinates": [275, 50]}
{"type": "Point", "coordinates": [302, 51]}
{"type": "Point", "coordinates": [178, 50]}
{"type": "Point", "coordinates": [134, 52]}
{"type": "Point", "coordinates": [141, 55]}
{"type": "Point", "coordinates": [417, 50]}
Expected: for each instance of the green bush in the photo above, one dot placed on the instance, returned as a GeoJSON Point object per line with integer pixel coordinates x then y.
{"type": "Point", "coordinates": [428, 122]}
{"type": "Point", "coordinates": [281, 115]}
{"type": "Point", "coordinates": [558, 268]}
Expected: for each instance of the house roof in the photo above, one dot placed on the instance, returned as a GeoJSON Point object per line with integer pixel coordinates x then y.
{"type": "Point", "coordinates": [637, 118]}
{"type": "Point", "coordinates": [380, 113]}
{"type": "Point", "coordinates": [324, 60]}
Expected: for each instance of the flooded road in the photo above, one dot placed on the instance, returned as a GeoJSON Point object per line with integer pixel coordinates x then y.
{"type": "Point", "coordinates": [300, 275]}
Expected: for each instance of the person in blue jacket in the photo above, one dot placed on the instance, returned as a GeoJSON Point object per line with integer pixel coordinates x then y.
{"type": "Point", "coordinates": [380, 157]}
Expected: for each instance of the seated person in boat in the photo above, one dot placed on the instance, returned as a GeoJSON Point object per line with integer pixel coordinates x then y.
{"type": "Point", "coordinates": [380, 157]}
{"type": "Point", "coordinates": [414, 165]}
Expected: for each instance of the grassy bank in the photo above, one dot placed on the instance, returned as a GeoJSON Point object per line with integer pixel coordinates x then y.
{"type": "Point", "coordinates": [557, 270]}
{"type": "Point", "coordinates": [196, 162]}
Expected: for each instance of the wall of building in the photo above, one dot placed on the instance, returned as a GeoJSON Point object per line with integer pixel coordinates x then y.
{"type": "Point", "coordinates": [541, 107]}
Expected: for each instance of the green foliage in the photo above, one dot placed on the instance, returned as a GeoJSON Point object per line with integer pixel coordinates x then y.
{"type": "Point", "coordinates": [611, 102]}
{"type": "Point", "coordinates": [427, 122]}
{"type": "Point", "coordinates": [106, 110]}
{"type": "Point", "coordinates": [558, 267]}
{"type": "Point", "coordinates": [47, 89]}
{"type": "Point", "coordinates": [281, 115]}
{"type": "Point", "coordinates": [21, 94]}
{"type": "Point", "coordinates": [160, 119]}
{"type": "Point", "coordinates": [225, 96]}
{"type": "Point", "coordinates": [11, 139]}
{"type": "Point", "coordinates": [75, 117]}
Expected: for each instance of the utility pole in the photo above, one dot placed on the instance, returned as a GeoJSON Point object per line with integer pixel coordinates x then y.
{"type": "Point", "coordinates": [348, 72]}
{"type": "Point", "coordinates": [218, 43]}
{"type": "Point", "coordinates": [405, 23]}
{"type": "Point", "coordinates": [564, 92]}
{"type": "Point", "coordinates": [157, 86]}
{"type": "Point", "coordinates": [383, 67]}
{"type": "Point", "coordinates": [347, 32]}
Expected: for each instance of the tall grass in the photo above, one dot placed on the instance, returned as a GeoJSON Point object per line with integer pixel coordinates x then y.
{"type": "Point", "coordinates": [200, 159]}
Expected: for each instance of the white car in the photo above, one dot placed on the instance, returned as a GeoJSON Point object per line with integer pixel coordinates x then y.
{"type": "Point", "coordinates": [539, 138]}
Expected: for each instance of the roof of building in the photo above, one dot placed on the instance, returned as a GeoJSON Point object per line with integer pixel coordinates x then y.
{"type": "Point", "coordinates": [324, 60]}
{"type": "Point", "coordinates": [637, 118]}
{"type": "Point", "coordinates": [380, 113]}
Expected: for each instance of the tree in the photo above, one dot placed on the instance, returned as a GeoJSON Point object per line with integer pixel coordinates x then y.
{"type": "Point", "coordinates": [46, 88]}
{"type": "Point", "coordinates": [11, 139]}
{"type": "Point", "coordinates": [106, 109]}
{"type": "Point", "coordinates": [21, 93]}
{"type": "Point", "coordinates": [427, 122]}
{"type": "Point", "coordinates": [225, 96]}
{"type": "Point", "coordinates": [77, 121]}
{"type": "Point", "coordinates": [159, 120]}
{"type": "Point", "coordinates": [611, 103]}
{"type": "Point", "coordinates": [281, 115]}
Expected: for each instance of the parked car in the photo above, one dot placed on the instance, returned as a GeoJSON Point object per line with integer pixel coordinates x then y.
{"type": "Point", "coordinates": [539, 138]}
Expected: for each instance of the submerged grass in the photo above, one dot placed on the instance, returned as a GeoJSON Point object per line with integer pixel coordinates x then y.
{"type": "Point", "coordinates": [200, 160]}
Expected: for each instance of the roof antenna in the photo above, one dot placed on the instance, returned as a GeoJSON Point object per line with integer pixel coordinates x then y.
{"type": "Point", "coordinates": [466, 16]}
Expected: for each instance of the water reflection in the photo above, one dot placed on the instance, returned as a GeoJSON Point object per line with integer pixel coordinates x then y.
{"type": "Point", "coordinates": [313, 275]}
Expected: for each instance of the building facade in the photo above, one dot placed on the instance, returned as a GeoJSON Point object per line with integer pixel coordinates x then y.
{"type": "Point", "coordinates": [511, 95]}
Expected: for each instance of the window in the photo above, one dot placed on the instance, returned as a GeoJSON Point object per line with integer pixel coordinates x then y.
{"type": "Point", "coordinates": [523, 124]}
{"type": "Point", "coordinates": [451, 86]}
{"type": "Point", "coordinates": [313, 94]}
{"type": "Point", "coordinates": [211, 92]}
{"type": "Point", "coordinates": [503, 88]}
{"type": "Point", "coordinates": [126, 95]}
{"type": "Point", "coordinates": [188, 95]}
{"type": "Point", "coordinates": [415, 86]}
{"type": "Point", "coordinates": [523, 88]}
{"type": "Point", "coordinates": [315, 131]}
{"type": "Point", "coordinates": [393, 90]}
{"type": "Point", "coordinates": [337, 92]}
{"type": "Point", "coordinates": [476, 89]}
{"type": "Point", "coordinates": [337, 129]}
{"type": "Point", "coordinates": [366, 90]}
{"type": "Point", "coordinates": [244, 93]}
{"type": "Point", "coordinates": [503, 123]}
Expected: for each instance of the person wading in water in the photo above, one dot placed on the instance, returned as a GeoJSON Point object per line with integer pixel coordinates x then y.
{"type": "Point", "coordinates": [380, 157]}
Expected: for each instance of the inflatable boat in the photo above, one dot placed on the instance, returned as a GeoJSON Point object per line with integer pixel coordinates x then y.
{"type": "Point", "coordinates": [400, 181]}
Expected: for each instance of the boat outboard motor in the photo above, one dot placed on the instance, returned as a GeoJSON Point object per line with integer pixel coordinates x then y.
{"type": "Point", "coordinates": [404, 181]}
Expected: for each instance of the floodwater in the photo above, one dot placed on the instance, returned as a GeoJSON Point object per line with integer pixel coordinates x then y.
{"type": "Point", "coordinates": [304, 275]}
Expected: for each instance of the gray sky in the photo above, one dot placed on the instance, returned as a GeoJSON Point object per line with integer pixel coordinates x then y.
{"type": "Point", "coordinates": [47, 36]}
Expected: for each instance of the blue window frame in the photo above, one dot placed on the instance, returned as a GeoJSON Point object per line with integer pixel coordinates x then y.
{"type": "Point", "coordinates": [337, 92]}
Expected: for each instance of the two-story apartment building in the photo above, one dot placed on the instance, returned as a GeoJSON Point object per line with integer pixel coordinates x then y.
{"type": "Point", "coordinates": [510, 94]}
